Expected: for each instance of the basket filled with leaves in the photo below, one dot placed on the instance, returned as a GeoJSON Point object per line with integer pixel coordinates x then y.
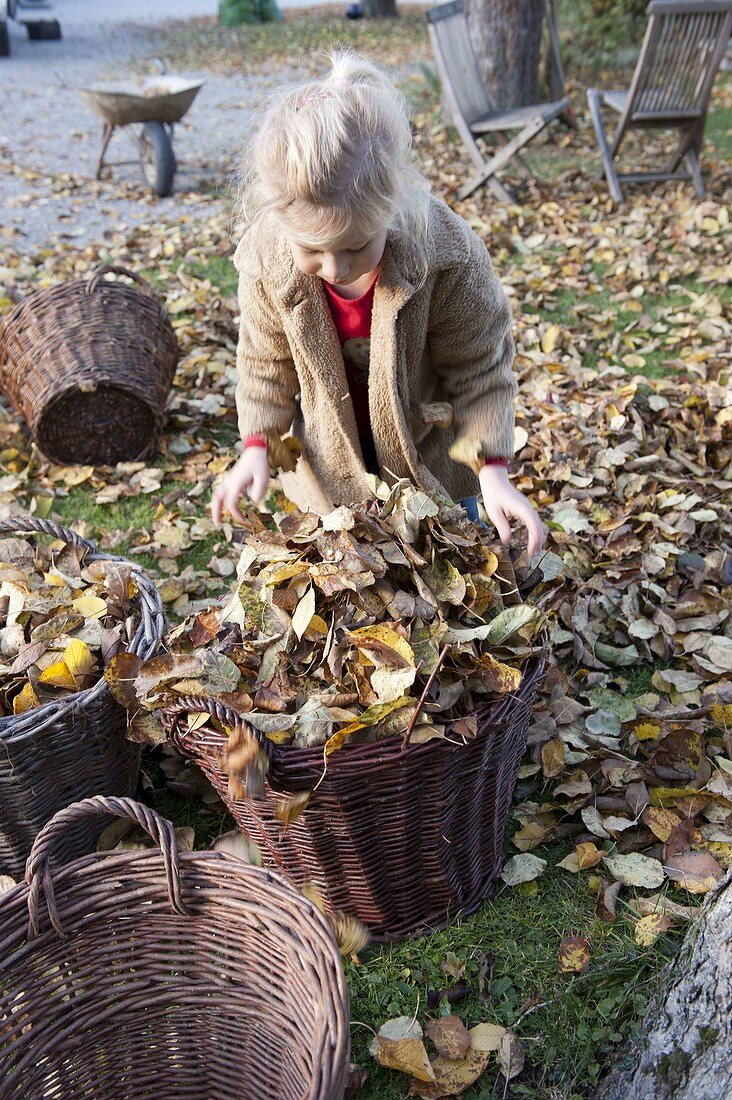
{"type": "Point", "coordinates": [368, 687]}
{"type": "Point", "coordinates": [165, 973]}
{"type": "Point", "coordinates": [66, 608]}
{"type": "Point", "coordinates": [88, 364]}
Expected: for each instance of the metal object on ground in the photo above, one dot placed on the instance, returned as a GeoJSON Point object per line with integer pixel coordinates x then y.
{"type": "Point", "coordinates": [156, 106]}
{"type": "Point", "coordinates": [37, 16]}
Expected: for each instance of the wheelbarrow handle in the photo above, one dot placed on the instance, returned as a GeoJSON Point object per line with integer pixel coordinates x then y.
{"type": "Point", "coordinates": [113, 269]}
{"type": "Point", "coordinates": [38, 874]}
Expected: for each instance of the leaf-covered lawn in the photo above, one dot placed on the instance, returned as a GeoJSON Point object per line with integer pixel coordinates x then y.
{"type": "Point", "coordinates": [623, 337]}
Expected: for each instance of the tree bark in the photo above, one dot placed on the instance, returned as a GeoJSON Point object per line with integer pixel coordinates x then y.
{"type": "Point", "coordinates": [377, 9]}
{"type": "Point", "coordinates": [507, 39]}
{"type": "Point", "coordinates": [685, 1054]}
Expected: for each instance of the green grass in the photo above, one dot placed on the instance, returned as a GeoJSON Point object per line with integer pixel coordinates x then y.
{"type": "Point", "coordinates": [567, 1024]}
{"type": "Point", "coordinates": [303, 37]}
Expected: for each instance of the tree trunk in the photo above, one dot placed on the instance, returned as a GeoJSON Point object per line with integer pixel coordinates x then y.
{"type": "Point", "coordinates": [685, 1053]}
{"type": "Point", "coordinates": [376, 9]}
{"type": "Point", "coordinates": [507, 38]}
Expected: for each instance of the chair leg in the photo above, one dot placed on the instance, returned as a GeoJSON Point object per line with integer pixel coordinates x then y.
{"type": "Point", "coordinates": [522, 167]}
{"type": "Point", "coordinates": [593, 101]}
{"type": "Point", "coordinates": [494, 185]}
{"type": "Point", "coordinates": [503, 156]}
{"type": "Point", "coordinates": [692, 160]}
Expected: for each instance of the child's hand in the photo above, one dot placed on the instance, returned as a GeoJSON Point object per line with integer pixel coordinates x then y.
{"type": "Point", "coordinates": [250, 474]}
{"type": "Point", "coordinates": [503, 502]}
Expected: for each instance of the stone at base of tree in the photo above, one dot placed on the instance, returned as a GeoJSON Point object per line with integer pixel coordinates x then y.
{"type": "Point", "coordinates": [686, 1053]}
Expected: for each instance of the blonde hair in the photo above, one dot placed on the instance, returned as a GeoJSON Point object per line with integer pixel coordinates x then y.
{"type": "Point", "coordinates": [332, 161]}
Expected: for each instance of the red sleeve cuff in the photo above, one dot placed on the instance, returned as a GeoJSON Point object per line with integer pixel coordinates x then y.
{"type": "Point", "coordinates": [254, 441]}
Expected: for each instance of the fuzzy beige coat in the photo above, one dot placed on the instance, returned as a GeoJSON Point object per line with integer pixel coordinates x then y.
{"type": "Point", "coordinates": [443, 338]}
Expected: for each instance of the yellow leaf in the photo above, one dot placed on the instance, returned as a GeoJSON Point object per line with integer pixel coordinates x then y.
{"type": "Point", "coordinates": [79, 660]}
{"type": "Point", "coordinates": [574, 955]}
{"type": "Point", "coordinates": [387, 636]}
{"type": "Point", "coordinates": [369, 717]}
{"type": "Point", "coordinates": [588, 855]}
{"type": "Point", "coordinates": [550, 338]}
{"type": "Point", "coordinates": [25, 700]}
{"type": "Point", "coordinates": [399, 1045]}
{"type": "Point", "coordinates": [91, 607]}
{"type": "Point", "coordinates": [648, 929]}
{"type": "Point", "coordinates": [58, 675]}
{"type": "Point", "coordinates": [316, 626]}
{"type": "Point", "coordinates": [660, 821]}
{"type": "Point", "coordinates": [290, 806]}
{"type": "Point", "coordinates": [54, 579]}
{"type": "Point", "coordinates": [647, 731]}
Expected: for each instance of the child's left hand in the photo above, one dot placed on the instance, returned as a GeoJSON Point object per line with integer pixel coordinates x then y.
{"type": "Point", "coordinates": [502, 502]}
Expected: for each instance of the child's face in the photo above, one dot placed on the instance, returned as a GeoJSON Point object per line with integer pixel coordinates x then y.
{"type": "Point", "coordinates": [341, 262]}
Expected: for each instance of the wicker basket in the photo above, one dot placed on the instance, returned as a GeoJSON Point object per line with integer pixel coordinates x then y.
{"type": "Point", "coordinates": [400, 839]}
{"type": "Point", "coordinates": [89, 364]}
{"type": "Point", "coordinates": [141, 976]}
{"type": "Point", "coordinates": [72, 747]}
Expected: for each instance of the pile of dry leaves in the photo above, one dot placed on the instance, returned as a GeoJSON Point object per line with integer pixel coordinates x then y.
{"type": "Point", "coordinates": [61, 620]}
{"type": "Point", "coordinates": [462, 1055]}
{"type": "Point", "coordinates": [372, 620]}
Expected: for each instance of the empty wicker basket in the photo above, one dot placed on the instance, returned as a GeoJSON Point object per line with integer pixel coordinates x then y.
{"type": "Point", "coordinates": [89, 364]}
{"type": "Point", "coordinates": [72, 747]}
{"type": "Point", "coordinates": [159, 975]}
{"type": "Point", "coordinates": [401, 839]}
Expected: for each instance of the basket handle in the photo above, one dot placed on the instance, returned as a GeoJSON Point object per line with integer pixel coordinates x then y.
{"type": "Point", "coordinates": [21, 524]}
{"type": "Point", "coordinates": [38, 874]}
{"type": "Point", "coordinates": [113, 269]}
{"type": "Point", "coordinates": [200, 704]}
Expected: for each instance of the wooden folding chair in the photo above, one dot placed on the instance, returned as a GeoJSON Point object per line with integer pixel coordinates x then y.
{"type": "Point", "coordinates": [682, 50]}
{"type": "Point", "coordinates": [474, 112]}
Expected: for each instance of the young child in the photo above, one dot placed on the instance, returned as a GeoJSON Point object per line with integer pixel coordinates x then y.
{"type": "Point", "coordinates": [372, 324]}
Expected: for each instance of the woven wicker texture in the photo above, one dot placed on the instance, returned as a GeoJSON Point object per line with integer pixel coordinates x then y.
{"type": "Point", "coordinates": [72, 748]}
{"type": "Point", "coordinates": [89, 364]}
{"type": "Point", "coordinates": [179, 976]}
{"type": "Point", "coordinates": [400, 839]}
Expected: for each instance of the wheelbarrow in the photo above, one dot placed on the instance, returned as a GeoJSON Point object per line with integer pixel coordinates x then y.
{"type": "Point", "coordinates": [156, 105]}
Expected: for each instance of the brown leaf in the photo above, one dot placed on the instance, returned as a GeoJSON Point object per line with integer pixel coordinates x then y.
{"type": "Point", "coordinates": [510, 1056]}
{"type": "Point", "coordinates": [552, 758]}
{"type": "Point", "coordinates": [121, 674]}
{"type": "Point", "coordinates": [607, 896]}
{"type": "Point", "coordinates": [450, 1036]}
{"type": "Point", "coordinates": [574, 955]}
{"type": "Point", "coordinates": [697, 872]}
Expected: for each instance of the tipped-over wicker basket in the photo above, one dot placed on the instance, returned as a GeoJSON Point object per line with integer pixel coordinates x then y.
{"type": "Point", "coordinates": [73, 747]}
{"type": "Point", "coordinates": [159, 975]}
{"type": "Point", "coordinates": [89, 363]}
{"type": "Point", "coordinates": [401, 839]}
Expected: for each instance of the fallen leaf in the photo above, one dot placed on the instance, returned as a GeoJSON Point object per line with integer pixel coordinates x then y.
{"type": "Point", "coordinates": [574, 955]}
{"type": "Point", "coordinates": [522, 868]}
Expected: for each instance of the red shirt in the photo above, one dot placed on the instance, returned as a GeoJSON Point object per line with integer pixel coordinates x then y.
{"type": "Point", "coordinates": [352, 320]}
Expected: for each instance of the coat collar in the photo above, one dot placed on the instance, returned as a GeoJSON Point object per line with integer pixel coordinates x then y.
{"type": "Point", "coordinates": [293, 287]}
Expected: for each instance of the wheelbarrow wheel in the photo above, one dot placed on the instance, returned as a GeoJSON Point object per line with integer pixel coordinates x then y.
{"type": "Point", "coordinates": [157, 158]}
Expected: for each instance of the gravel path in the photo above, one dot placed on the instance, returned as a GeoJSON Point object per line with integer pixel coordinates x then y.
{"type": "Point", "coordinates": [49, 139]}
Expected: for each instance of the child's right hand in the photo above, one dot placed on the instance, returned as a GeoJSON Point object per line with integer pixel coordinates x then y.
{"type": "Point", "coordinates": [250, 475]}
